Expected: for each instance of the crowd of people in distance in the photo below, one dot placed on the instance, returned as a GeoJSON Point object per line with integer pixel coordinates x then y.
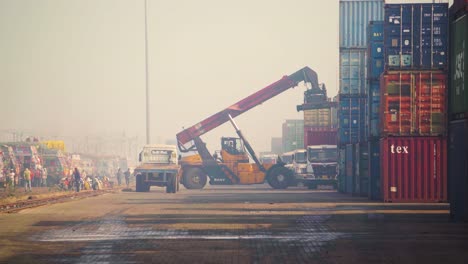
{"type": "Point", "coordinates": [76, 180]}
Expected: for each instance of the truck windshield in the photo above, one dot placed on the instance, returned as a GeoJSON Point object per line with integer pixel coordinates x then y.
{"type": "Point", "coordinates": [268, 159]}
{"type": "Point", "coordinates": [300, 157]}
{"type": "Point", "coordinates": [158, 156]}
{"type": "Point", "coordinates": [287, 159]}
{"type": "Point", "coordinates": [329, 154]}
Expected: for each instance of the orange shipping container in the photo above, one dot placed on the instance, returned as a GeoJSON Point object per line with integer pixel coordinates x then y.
{"type": "Point", "coordinates": [413, 103]}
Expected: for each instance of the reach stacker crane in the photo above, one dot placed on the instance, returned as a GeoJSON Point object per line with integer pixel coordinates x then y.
{"type": "Point", "coordinates": [232, 165]}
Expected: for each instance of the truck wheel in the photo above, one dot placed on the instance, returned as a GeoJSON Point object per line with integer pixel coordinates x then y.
{"type": "Point", "coordinates": [194, 178]}
{"type": "Point", "coordinates": [175, 184]}
{"type": "Point", "coordinates": [139, 183]}
{"type": "Point", "coordinates": [170, 185]}
{"type": "Point", "coordinates": [279, 177]}
{"type": "Point", "coordinates": [146, 187]}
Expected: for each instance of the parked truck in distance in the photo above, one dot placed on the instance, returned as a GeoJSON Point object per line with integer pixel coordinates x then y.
{"type": "Point", "coordinates": [269, 159]}
{"type": "Point", "coordinates": [322, 163]}
{"type": "Point", "coordinates": [287, 157]}
{"type": "Point", "coordinates": [158, 166]}
{"type": "Point", "coordinates": [299, 166]}
{"type": "Point", "coordinates": [313, 167]}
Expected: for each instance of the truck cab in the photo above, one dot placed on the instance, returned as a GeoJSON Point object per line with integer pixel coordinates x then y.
{"type": "Point", "coordinates": [158, 167]}
{"type": "Point", "coordinates": [300, 166]}
{"type": "Point", "coordinates": [322, 161]}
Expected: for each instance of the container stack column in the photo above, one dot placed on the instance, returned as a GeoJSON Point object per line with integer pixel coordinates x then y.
{"type": "Point", "coordinates": [352, 106]}
{"type": "Point", "coordinates": [458, 117]}
{"type": "Point", "coordinates": [375, 67]}
{"type": "Point", "coordinates": [413, 103]}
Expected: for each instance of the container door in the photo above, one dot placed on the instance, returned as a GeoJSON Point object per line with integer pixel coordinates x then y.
{"type": "Point", "coordinates": [414, 169]}
{"type": "Point", "coordinates": [374, 170]}
{"type": "Point", "coordinates": [458, 170]}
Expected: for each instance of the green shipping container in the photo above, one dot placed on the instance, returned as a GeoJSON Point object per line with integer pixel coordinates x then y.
{"type": "Point", "coordinates": [459, 68]}
{"type": "Point", "coordinates": [293, 135]}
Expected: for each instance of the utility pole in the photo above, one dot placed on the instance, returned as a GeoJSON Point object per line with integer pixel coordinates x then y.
{"type": "Point", "coordinates": [148, 140]}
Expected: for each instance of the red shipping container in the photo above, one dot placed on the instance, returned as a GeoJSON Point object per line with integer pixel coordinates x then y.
{"type": "Point", "coordinates": [458, 8]}
{"type": "Point", "coordinates": [414, 169]}
{"type": "Point", "coordinates": [413, 103]}
{"type": "Point", "coordinates": [313, 137]}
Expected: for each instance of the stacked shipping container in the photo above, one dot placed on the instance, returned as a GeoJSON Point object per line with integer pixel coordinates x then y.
{"type": "Point", "coordinates": [319, 124]}
{"type": "Point", "coordinates": [293, 135]}
{"type": "Point", "coordinates": [375, 67]}
{"type": "Point", "coordinates": [416, 36]}
{"type": "Point", "coordinates": [413, 103]}
{"type": "Point", "coordinates": [353, 111]}
{"type": "Point", "coordinates": [458, 101]}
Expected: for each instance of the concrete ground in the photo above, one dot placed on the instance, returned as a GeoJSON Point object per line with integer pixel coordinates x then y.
{"type": "Point", "coordinates": [232, 224]}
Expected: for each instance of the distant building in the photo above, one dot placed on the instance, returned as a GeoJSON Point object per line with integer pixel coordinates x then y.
{"type": "Point", "coordinates": [293, 135]}
{"type": "Point", "coordinates": [277, 145]}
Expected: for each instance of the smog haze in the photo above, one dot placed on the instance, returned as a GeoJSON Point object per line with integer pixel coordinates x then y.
{"type": "Point", "coordinates": [77, 68]}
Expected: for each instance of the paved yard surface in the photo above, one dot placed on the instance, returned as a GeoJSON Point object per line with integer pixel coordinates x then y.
{"type": "Point", "coordinates": [247, 224]}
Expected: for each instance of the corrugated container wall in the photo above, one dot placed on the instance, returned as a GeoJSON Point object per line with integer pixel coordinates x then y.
{"type": "Point", "coordinates": [458, 169]}
{"type": "Point", "coordinates": [375, 67]}
{"type": "Point", "coordinates": [375, 50]}
{"type": "Point", "coordinates": [374, 110]}
{"type": "Point", "coordinates": [414, 169]}
{"type": "Point", "coordinates": [349, 168]}
{"type": "Point", "coordinates": [293, 135]}
{"type": "Point", "coordinates": [334, 117]}
{"type": "Point", "coordinates": [318, 118]}
{"type": "Point", "coordinates": [313, 137]}
{"type": "Point", "coordinates": [416, 36]}
{"type": "Point", "coordinates": [413, 103]}
{"type": "Point", "coordinates": [342, 169]}
{"type": "Point", "coordinates": [459, 7]}
{"type": "Point", "coordinates": [361, 178]}
{"type": "Point", "coordinates": [374, 170]}
{"type": "Point", "coordinates": [459, 68]}
{"type": "Point", "coordinates": [354, 16]}
{"type": "Point", "coordinates": [352, 119]}
{"type": "Point", "coordinates": [353, 71]}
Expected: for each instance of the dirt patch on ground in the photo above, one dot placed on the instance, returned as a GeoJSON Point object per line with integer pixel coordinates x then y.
{"type": "Point", "coordinates": [18, 194]}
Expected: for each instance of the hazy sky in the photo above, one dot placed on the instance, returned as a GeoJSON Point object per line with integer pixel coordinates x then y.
{"type": "Point", "coordinates": [77, 67]}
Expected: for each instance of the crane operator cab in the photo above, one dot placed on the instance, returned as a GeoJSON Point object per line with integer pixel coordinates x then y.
{"type": "Point", "coordinates": [232, 149]}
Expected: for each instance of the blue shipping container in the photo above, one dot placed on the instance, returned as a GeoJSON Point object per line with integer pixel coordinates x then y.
{"type": "Point", "coordinates": [375, 31]}
{"type": "Point", "coordinates": [375, 50]}
{"type": "Point", "coordinates": [342, 169]}
{"type": "Point", "coordinates": [353, 71]}
{"type": "Point", "coordinates": [416, 36]}
{"type": "Point", "coordinates": [350, 168]}
{"type": "Point", "coordinates": [361, 173]}
{"type": "Point", "coordinates": [374, 109]}
{"type": "Point", "coordinates": [374, 170]}
{"type": "Point", "coordinates": [352, 114]}
{"type": "Point", "coordinates": [354, 17]}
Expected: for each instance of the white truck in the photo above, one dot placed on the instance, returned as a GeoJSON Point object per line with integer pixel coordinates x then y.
{"type": "Point", "coordinates": [322, 162]}
{"type": "Point", "coordinates": [158, 166]}
{"type": "Point", "coordinates": [299, 166]}
{"type": "Point", "coordinates": [316, 166]}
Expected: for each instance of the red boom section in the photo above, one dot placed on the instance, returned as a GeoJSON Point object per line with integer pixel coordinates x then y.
{"type": "Point", "coordinates": [285, 83]}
